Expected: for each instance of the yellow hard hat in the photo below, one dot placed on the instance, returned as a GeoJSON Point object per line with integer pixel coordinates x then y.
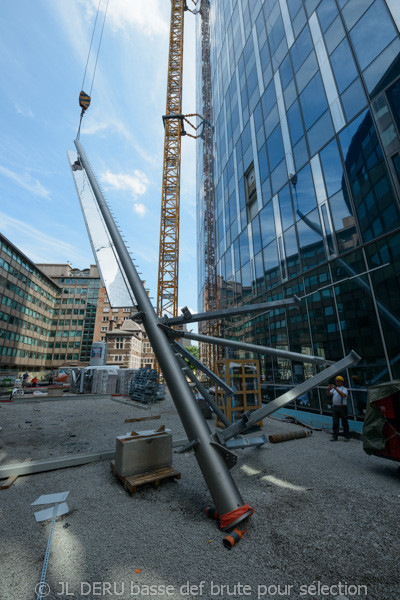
{"type": "Point", "coordinates": [339, 377]}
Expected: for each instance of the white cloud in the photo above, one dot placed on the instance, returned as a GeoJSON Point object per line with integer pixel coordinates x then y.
{"type": "Point", "coordinates": [38, 246]}
{"type": "Point", "coordinates": [139, 209]}
{"type": "Point", "coordinates": [137, 183]}
{"type": "Point", "coordinates": [148, 17]}
{"type": "Point", "coordinates": [25, 112]}
{"type": "Point", "coordinates": [27, 182]}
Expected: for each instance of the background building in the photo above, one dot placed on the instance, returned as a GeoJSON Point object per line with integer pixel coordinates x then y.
{"type": "Point", "coordinates": [75, 313]}
{"type": "Point", "coordinates": [307, 182]}
{"type": "Point", "coordinates": [28, 301]}
{"type": "Point", "coordinates": [128, 344]}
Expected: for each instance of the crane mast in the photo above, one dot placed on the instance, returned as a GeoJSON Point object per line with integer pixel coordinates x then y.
{"type": "Point", "coordinates": [167, 292]}
{"type": "Point", "coordinates": [209, 353]}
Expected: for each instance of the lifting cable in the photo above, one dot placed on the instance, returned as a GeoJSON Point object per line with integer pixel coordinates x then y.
{"type": "Point", "coordinates": [84, 99]}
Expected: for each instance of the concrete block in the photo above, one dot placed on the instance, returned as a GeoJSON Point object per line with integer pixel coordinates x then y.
{"type": "Point", "coordinates": [146, 452]}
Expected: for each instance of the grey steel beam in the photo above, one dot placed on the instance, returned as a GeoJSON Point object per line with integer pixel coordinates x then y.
{"type": "Point", "coordinates": [186, 354]}
{"type": "Point", "coordinates": [64, 462]}
{"type": "Point", "coordinates": [250, 418]}
{"type": "Point", "coordinates": [215, 471]}
{"type": "Point", "coordinates": [305, 358]}
{"type": "Point", "coordinates": [188, 317]}
{"type": "Point", "coordinates": [206, 395]}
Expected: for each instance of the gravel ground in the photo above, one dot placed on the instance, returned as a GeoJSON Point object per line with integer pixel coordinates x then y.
{"type": "Point", "coordinates": [325, 525]}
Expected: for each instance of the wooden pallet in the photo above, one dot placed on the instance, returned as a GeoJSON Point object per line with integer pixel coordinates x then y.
{"type": "Point", "coordinates": [131, 482]}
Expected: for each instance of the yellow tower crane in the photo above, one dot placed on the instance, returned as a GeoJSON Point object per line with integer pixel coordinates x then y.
{"type": "Point", "coordinates": [167, 292]}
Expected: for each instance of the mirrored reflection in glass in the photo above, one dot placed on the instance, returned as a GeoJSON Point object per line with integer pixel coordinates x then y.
{"type": "Point", "coordinates": [292, 253]}
{"type": "Point", "coordinates": [353, 99]}
{"type": "Point", "coordinates": [267, 224]}
{"type": "Point", "coordinates": [373, 196]}
{"type": "Point", "coordinates": [368, 39]}
{"type": "Point", "coordinates": [313, 101]}
{"type": "Point", "coordinates": [271, 265]}
{"type": "Point", "coordinates": [381, 71]}
{"type": "Point", "coordinates": [322, 314]}
{"type": "Point", "coordinates": [386, 286]}
{"type": "Point", "coordinates": [334, 35]}
{"type": "Point", "coordinates": [320, 133]}
{"type": "Point", "coordinates": [332, 168]}
{"type": "Point", "coordinates": [286, 209]}
{"type": "Point", "coordinates": [343, 222]}
{"type": "Point", "coordinates": [343, 65]}
{"type": "Point", "coordinates": [310, 240]}
{"type": "Point", "coordinates": [359, 326]}
{"type": "Point", "coordinates": [304, 199]}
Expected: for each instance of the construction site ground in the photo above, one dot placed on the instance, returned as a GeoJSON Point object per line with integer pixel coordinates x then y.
{"type": "Point", "coordinates": [325, 525]}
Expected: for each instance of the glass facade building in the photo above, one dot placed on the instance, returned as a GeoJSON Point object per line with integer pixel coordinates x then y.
{"type": "Point", "coordinates": [306, 116]}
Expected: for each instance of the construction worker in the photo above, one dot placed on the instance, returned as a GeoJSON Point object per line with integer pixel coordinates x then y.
{"type": "Point", "coordinates": [339, 394]}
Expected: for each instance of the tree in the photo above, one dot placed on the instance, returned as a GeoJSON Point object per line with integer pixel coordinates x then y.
{"type": "Point", "coordinates": [195, 351]}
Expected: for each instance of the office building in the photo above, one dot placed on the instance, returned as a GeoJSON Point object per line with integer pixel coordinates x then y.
{"type": "Point", "coordinates": [306, 116]}
{"type": "Point", "coordinates": [75, 313]}
{"type": "Point", "coordinates": [28, 301]}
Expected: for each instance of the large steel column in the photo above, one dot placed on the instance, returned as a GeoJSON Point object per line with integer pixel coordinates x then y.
{"type": "Point", "coordinates": [223, 489]}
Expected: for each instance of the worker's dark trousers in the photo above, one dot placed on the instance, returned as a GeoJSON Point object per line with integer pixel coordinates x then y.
{"type": "Point", "coordinates": [340, 412]}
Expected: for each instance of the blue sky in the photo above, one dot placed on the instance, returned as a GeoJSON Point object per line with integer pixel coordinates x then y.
{"type": "Point", "coordinates": [43, 51]}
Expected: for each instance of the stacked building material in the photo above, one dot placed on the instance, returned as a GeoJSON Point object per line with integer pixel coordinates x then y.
{"type": "Point", "coordinates": [104, 381]}
{"type": "Point", "coordinates": [125, 377]}
{"type": "Point", "coordinates": [144, 386]}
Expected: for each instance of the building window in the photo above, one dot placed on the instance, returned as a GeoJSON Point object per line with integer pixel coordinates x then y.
{"type": "Point", "coordinates": [127, 309]}
{"type": "Point", "coordinates": [105, 319]}
{"type": "Point", "coordinates": [106, 309]}
{"type": "Point", "coordinates": [251, 194]}
{"type": "Point", "coordinates": [104, 329]}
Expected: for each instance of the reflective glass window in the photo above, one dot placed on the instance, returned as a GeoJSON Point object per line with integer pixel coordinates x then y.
{"type": "Point", "coordinates": [332, 168]}
{"type": "Point", "coordinates": [300, 153]}
{"type": "Point", "coordinates": [334, 35]}
{"type": "Point", "coordinates": [353, 11]}
{"type": "Point", "coordinates": [380, 71]}
{"type": "Point", "coordinates": [373, 196]}
{"type": "Point", "coordinates": [303, 193]}
{"type": "Point", "coordinates": [393, 96]}
{"type": "Point", "coordinates": [301, 48]}
{"type": "Point", "coordinates": [271, 121]}
{"type": "Point", "coordinates": [343, 221]}
{"type": "Point", "coordinates": [323, 319]}
{"type": "Point", "coordinates": [357, 316]}
{"type": "Point", "coordinates": [275, 148]}
{"type": "Point", "coordinates": [285, 204]}
{"type": "Point", "coordinates": [369, 38]}
{"type": "Point", "coordinates": [327, 11]}
{"type": "Point", "coordinates": [256, 235]}
{"type": "Point", "coordinates": [244, 247]}
{"type": "Point", "coordinates": [386, 286]}
{"type": "Point", "coordinates": [271, 265]}
{"type": "Point", "coordinates": [294, 6]}
{"type": "Point", "coordinates": [321, 132]}
{"type": "Point", "coordinates": [267, 224]}
{"type": "Point", "coordinates": [263, 164]}
{"type": "Point", "coordinates": [286, 72]}
{"type": "Point", "coordinates": [306, 71]}
{"type": "Point", "coordinates": [353, 99]}
{"type": "Point", "coordinates": [310, 240]}
{"type": "Point", "coordinates": [295, 123]}
{"type": "Point", "coordinates": [292, 252]}
{"type": "Point", "coordinates": [341, 57]}
{"type": "Point", "coordinates": [268, 99]}
{"type": "Point", "coordinates": [313, 101]}
{"type": "Point", "coordinates": [279, 177]}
